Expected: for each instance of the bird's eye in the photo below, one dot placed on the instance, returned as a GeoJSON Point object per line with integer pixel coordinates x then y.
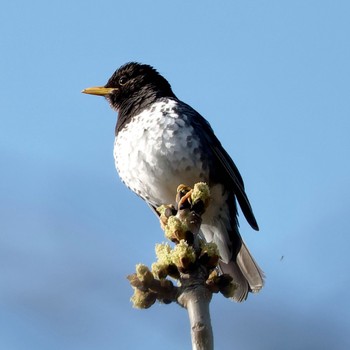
{"type": "Point", "coordinates": [123, 80]}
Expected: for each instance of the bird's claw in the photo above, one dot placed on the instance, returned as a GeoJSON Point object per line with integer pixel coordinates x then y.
{"type": "Point", "coordinates": [183, 197]}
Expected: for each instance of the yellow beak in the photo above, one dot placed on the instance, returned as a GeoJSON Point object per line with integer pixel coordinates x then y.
{"type": "Point", "coordinates": [98, 90]}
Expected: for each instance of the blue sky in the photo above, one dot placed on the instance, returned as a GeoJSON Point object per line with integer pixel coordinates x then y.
{"type": "Point", "coordinates": [272, 78]}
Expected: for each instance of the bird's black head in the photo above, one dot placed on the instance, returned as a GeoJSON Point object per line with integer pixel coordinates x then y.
{"type": "Point", "coordinates": [136, 84]}
{"type": "Point", "coordinates": [132, 88]}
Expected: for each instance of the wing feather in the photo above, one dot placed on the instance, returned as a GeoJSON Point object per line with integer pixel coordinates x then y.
{"type": "Point", "coordinates": [225, 163]}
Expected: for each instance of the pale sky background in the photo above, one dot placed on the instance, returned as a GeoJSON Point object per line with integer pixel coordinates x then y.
{"type": "Point", "coordinates": [272, 78]}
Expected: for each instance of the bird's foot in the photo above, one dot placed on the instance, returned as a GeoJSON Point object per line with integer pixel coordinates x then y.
{"type": "Point", "coordinates": [183, 197]}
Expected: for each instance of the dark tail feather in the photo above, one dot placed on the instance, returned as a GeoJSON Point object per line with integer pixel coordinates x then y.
{"type": "Point", "coordinates": [245, 273]}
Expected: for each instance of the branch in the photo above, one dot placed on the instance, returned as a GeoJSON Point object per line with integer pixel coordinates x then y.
{"type": "Point", "coordinates": [192, 262]}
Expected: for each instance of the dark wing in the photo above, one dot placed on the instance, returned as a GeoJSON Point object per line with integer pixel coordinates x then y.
{"type": "Point", "coordinates": [234, 178]}
{"type": "Point", "coordinates": [237, 183]}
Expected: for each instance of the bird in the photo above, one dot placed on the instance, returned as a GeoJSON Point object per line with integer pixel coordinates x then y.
{"type": "Point", "coordinates": [161, 142]}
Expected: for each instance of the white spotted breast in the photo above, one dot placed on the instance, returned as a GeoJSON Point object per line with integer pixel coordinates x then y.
{"type": "Point", "coordinates": [156, 151]}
